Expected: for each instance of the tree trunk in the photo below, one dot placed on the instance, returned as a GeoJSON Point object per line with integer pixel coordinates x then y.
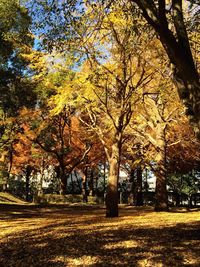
{"type": "Point", "coordinates": [190, 201]}
{"type": "Point", "coordinates": [178, 199]}
{"type": "Point", "coordinates": [72, 183]}
{"type": "Point", "coordinates": [10, 163]}
{"type": "Point", "coordinates": [41, 177]}
{"type": "Point", "coordinates": [63, 185]}
{"type": "Point", "coordinates": [161, 197]}
{"type": "Point", "coordinates": [84, 186]}
{"type": "Point", "coordinates": [133, 185]}
{"type": "Point", "coordinates": [78, 181]}
{"type": "Point", "coordinates": [161, 203]}
{"type": "Point", "coordinates": [5, 187]}
{"type": "Point", "coordinates": [40, 188]}
{"type": "Point", "coordinates": [138, 198]}
{"type": "Point", "coordinates": [112, 187]}
{"type": "Point", "coordinates": [91, 184]}
{"type": "Point", "coordinates": [177, 47]}
{"type": "Point", "coordinates": [27, 175]}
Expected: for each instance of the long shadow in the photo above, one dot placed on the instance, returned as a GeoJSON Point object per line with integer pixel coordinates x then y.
{"type": "Point", "coordinates": [14, 211]}
{"type": "Point", "coordinates": [67, 244]}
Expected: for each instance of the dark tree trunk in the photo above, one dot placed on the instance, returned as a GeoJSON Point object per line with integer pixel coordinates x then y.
{"type": "Point", "coordinates": [138, 197]}
{"type": "Point", "coordinates": [84, 185]}
{"type": "Point", "coordinates": [63, 185]}
{"type": "Point", "coordinates": [177, 47]}
{"type": "Point", "coordinates": [190, 201]}
{"type": "Point", "coordinates": [195, 200]}
{"type": "Point", "coordinates": [78, 182]}
{"type": "Point", "coordinates": [91, 182]}
{"type": "Point", "coordinates": [133, 185]}
{"type": "Point", "coordinates": [72, 183]}
{"type": "Point", "coordinates": [27, 175]}
{"type": "Point", "coordinates": [178, 199]}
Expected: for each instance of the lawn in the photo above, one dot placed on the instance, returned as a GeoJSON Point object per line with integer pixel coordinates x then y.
{"type": "Point", "coordinates": [64, 235]}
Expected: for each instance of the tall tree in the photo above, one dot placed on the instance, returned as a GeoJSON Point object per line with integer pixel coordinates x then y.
{"type": "Point", "coordinates": [15, 39]}
{"type": "Point", "coordinates": [106, 85]}
{"type": "Point", "coordinates": [167, 19]}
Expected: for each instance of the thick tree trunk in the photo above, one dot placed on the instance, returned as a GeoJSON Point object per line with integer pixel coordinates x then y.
{"type": "Point", "coordinates": [113, 179]}
{"type": "Point", "coordinates": [161, 203]}
{"type": "Point", "coordinates": [177, 47]}
{"type": "Point", "coordinates": [161, 196]}
{"type": "Point", "coordinates": [63, 186]}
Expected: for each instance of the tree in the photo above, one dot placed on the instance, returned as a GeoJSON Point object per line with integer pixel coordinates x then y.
{"type": "Point", "coordinates": [105, 86]}
{"type": "Point", "coordinates": [152, 123]}
{"type": "Point", "coordinates": [61, 137]}
{"type": "Point", "coordinates": [183, 149]}
{"type": "Point", "coordinates": [167, 19]}
{"type": "Point", "coordinates": [15, 39]}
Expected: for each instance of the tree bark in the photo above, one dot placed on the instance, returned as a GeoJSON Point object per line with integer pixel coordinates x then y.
{"type": "Point", "coordinates": [161, 196]}
{"type": "Point", "coordinates": [138, 198]}
{"type": "Point", "coordinates": [178, 199]}
{"type": "Point", "coordinates": [91, 182]}
{"type": "Point", "coordinates": [84, 185]}
{"type": "Point", "coordinates": [63, 185]}
{"type": "Point", "coordinates": [41, 177]}
{"type": "Point", "coordinates": [113, 179]}
{"type": "Point", "coordinates": [27, 175]}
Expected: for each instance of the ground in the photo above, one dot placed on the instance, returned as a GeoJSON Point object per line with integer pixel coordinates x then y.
{"type": "Point", "coordinates": [71, 235]}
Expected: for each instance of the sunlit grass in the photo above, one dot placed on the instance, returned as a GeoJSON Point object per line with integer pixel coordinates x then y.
{"type": "Point", "coordinates": [82, 236]}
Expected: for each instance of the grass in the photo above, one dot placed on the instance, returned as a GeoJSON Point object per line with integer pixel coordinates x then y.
{"type": "Point", "coordinates": [76, 235]}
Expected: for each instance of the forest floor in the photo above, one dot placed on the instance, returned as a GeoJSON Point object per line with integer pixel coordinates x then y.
{"type": "Point", "coordinates": [76, 235]}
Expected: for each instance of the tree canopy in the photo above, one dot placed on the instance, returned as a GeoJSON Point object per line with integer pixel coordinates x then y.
{"type": "Point", "coordinates": [96, 88]}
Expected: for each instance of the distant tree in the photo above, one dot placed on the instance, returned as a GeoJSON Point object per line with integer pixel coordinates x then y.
{"type": "Point", "coordinates": [62, 138]}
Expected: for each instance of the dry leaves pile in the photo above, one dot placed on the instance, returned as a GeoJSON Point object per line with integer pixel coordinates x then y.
{"type": "Point", "coordinates": [58, 236]}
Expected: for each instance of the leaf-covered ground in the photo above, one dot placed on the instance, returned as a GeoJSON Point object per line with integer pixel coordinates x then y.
{"type": "Point", "coordinates": [8, 198]}
{"type": "Point", "coordinates": [62, 235]}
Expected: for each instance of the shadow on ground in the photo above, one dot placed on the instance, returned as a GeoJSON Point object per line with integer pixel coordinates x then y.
{"type": "Point", "coordinates": [81, 236]}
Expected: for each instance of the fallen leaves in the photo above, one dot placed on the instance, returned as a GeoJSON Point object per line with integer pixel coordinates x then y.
{"type": "Point", "coordinates": [81, 236]}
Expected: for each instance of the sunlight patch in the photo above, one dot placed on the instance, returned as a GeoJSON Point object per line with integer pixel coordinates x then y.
{"type": "Point", "coordinates": [122, 244]}
{"type": "Point", "coordinates": [149, 263]}
{"type": "Point", "coordinates": [81, 261]}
